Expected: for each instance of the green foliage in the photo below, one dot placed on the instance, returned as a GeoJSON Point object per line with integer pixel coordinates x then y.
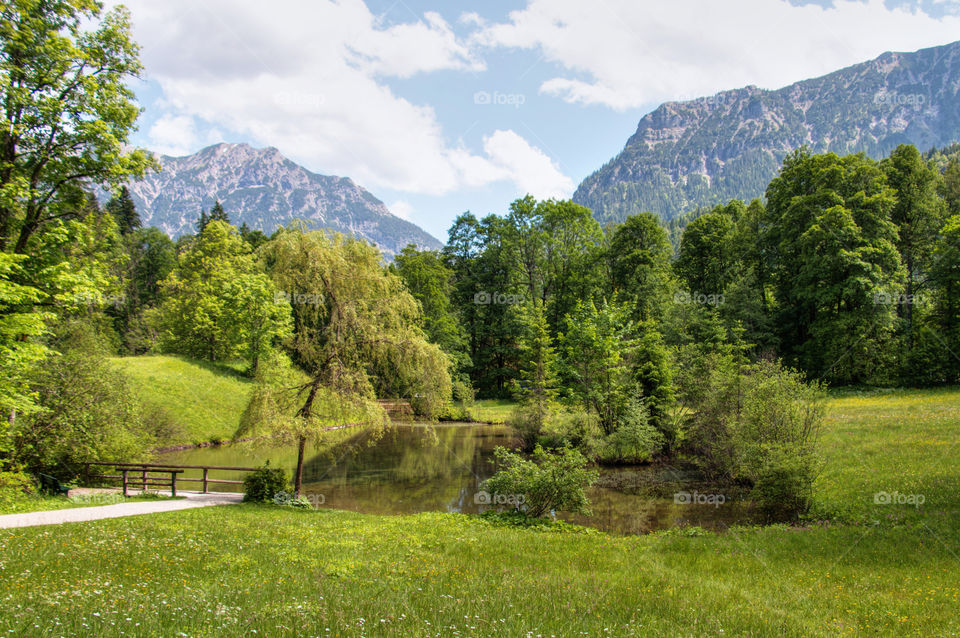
{"type": "Point", "coordinates": [430, 282]}
{"type": "Point", "coordinates": [68, 111]}
{"type": "Point", "coordinates": [549, 481]}
{"type": "Point", "coordinates": [264, 484]}
{"type": "Point", "coordinates": [639, 256]}
{"type": "Point", "coordinates": [218, 305]}
{"type": "Point", "coordinates": [833, 246]}
{"type": "Point", "coordinates": [635, 440]}
{"type": "Point", "coordinates": [594, 364]}
{"type": "Point", "coordinates": [20, 347]}
{"type": "Point", "coordinates": [757, 424]}
{"type": "Point", "coordinates": [124, 211]}
{"type": "Point", "coordinates": [88, 411]}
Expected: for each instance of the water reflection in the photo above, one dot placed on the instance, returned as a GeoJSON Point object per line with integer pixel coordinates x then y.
{"type": "Point", "coordinates": [418, 468]}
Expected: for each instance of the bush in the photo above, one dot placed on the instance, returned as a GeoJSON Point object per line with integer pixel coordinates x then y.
{"type": "Point", "coordinates": [635, 440]}
{"type": "Point", "coordinates": [262, 485]}
{"type": "Point", "coordinates": [783, 484]}
{"type": "Point", "coordinates": [547, 482]}
{"type": "Point", "coordinates": [758, 425]}
{"type": "Point", "coordinates": [88, 411]}
{"type": "Point", "coordinates": [14, 485]}
{"type": "Point", "coordinates": [529, 420]}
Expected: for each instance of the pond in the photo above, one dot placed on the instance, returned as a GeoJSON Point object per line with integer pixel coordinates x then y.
{"type": "Point", "coordinates": [439, 467]}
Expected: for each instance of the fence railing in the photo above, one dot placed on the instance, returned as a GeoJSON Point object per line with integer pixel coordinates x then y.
{"type": "Point", "coordinates": [144, 475]}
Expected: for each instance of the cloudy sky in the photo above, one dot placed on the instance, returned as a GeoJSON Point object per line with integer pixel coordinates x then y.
{"type": "Point", "coordinates": [441, 107]}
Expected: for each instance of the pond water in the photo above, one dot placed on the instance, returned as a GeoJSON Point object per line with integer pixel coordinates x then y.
{"type": "Point", "coordinates": [439, 467]}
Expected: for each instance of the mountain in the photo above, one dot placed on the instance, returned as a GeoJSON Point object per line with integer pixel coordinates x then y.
{"type": "Point", "coordinates": [265, 190]}
{"type": "Point", "coordinates": [686, 155]}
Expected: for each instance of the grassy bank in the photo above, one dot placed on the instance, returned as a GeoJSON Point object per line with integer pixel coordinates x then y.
{"type": "Point", "coordinates": [202, 401]}
{"type": "Point", "coordinates": [891, 570]}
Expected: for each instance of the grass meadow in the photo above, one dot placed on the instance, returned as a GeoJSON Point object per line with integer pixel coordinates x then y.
{"type": "Point", "coordinates": [876, 568]}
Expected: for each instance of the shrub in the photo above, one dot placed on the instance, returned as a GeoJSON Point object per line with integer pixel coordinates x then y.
{"type": "Point", "coordinates": [263, 484]}
{"type": "Point", "coordinates": [758, 425]}
{"type": "Point", "coordinates": [635, 440]}
{"type": "Point", "coordinates": [88, 411]}
{"type": "Point", "coordinates": [783, 484]}
{"type": "Point", "coordinates": [15, 485]}
{"type": "Point", "coordinates": [549, 481]}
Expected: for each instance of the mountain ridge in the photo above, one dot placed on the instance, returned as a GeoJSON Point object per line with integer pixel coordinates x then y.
{"type": "Point", "coordinates": [266, 190]}
{"type": "Point", "coordinates": [702, 152]}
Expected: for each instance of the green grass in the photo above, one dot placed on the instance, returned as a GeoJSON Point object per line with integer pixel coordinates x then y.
{"type": "Point", "coordinates": [233, 571]}
{"type": "Point", "coordinates": [203, 400]}
{"type": "Point", "coordinates": [492, 410]}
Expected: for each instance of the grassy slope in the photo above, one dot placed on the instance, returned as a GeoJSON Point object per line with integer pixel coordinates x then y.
{"type": "Point", "coordinates": [203, 399]}
{"type": "Point", "coordinates": [229, 571]}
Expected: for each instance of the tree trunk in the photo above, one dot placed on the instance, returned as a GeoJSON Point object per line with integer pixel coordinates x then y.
{"type": "Point", "coordinates": [298, 479]}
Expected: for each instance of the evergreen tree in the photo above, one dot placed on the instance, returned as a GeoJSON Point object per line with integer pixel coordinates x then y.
{"type": "Point", "coordinates": [217, 214]}
{"type": "Point", "coordinates": [123, 209]}
{"type": "Point", "coordinates": [202, 222]}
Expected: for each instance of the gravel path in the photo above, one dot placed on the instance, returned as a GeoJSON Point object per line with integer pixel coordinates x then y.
{"type": "Point", "coordinates": [80, 514]}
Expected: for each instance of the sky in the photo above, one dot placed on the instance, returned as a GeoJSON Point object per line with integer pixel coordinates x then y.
{"type": "Point", "coordinates": [440, 107]}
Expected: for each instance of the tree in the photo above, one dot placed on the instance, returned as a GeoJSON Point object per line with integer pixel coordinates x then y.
{"type": "Point", "coordinates": [357, 321]}
{"type": "Point", "coordinates": [202, 221]}
{"type": "Point", "coordinates": [218, 214]}
{"type": "Point", "coordinates": [832, 247]}
{"type": "Point", "coordinates": [123, 209]}
{"type": "Point", "coordinates": [596, 351]}
{"type": "Point", "coordinates": [67, 108]}
{"type": "Point", "coordinates": [20, 345]}
{"type": "Point", "coordinates": [536, 388]}
{"type": "Point", "coordinates": [951, 186]}
{"type": "Point", "coordinates": [918, 215]}
{"type": "Point", "coordinates": [218, 306]}
{"type": "Point", "coordinates": [639, 256]}
{"type": "Point", "coordinates": [430, 281]}
{"type": "Point", "coordinates": [705, 260]}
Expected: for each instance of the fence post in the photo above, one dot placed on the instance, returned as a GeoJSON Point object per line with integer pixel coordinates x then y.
{"type": "Point", "coordinates": [124, 483]}
{"type": "Point", "coordinates": [205, 470]}
{"type": "Point", "coordinates": [173, 484]}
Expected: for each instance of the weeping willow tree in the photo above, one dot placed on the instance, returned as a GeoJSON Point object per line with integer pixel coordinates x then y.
{"type": "Point", "coordinates": [356, 332]}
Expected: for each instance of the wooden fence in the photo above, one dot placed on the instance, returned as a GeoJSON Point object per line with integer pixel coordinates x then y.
{"type": "Point", "coordinates": [144, 475]}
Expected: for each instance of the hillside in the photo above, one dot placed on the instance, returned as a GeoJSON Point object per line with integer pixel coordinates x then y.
{"type": "Point", "coordinates": [686, 155]}
{"type": "Point", "coordinates": [197, 401]}
{"type": "Point", "coordinates": [265, 190]}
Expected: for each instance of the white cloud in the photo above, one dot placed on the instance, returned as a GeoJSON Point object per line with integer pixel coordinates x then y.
{"type": "Point", "coordinates": [624, 53]}
{"type": "Point", "coordinates": [536, 173]}
{"type": "Point", "coordinates": [174, 135]}
{"type": "Point", "coordinates": [309, 81]}
{"type": "Point", "coordinates": [402, 209]}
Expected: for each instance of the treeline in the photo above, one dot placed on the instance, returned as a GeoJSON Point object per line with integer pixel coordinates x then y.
{"type": "Point", "coordinates": [848, 272]}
